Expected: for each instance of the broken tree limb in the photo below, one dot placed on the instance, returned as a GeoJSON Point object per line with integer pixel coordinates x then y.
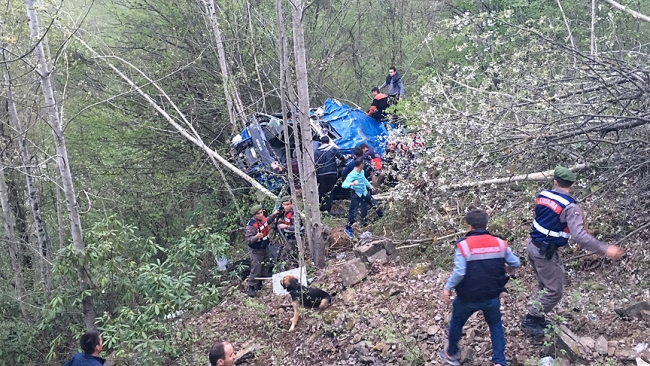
{"type": "Point", "coordinates": [418, 242]}
{"type": "Point", "coordinates": [193, 136]}
{"type": "Point", "coordinates": [628, 10]}
{"type": "Point", "coordinates": [539, 176]}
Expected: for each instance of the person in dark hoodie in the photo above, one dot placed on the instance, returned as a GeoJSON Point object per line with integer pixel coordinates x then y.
{"type": "Point", "coordinates": [394, 83]}
{"type": "Point", "coordinates": [379, 105]}
{"type": "Point", "coordinates": [91, 345]}
{"type": "Point", "coordinates": [326, 157]}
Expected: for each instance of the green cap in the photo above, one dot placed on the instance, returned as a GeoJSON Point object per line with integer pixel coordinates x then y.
{"type": "Point", "coordinates": [254, 209]}
{"type": "Point", "coordinates": [564, 174]}
{"type": "Point", "coordinates": [286, 199]}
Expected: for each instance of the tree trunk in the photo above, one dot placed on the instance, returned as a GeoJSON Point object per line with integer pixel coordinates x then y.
{"type": "Point", "coordinates": [12, 244]}
{"type": "Point", "coordinates": [593, 28]}
{"type": "Point", "coordinates": [308, 173]}
{"type": "Point", "coordinates": [61, 161]}
{"type": "Point", "coordinates": [228, 89]}
{"type": "Point", "coordinates": [284, 82]}
{"type": "Point", "coordinates": [34, 199]}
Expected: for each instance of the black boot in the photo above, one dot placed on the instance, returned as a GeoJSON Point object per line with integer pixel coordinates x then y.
{"type": "Point", "coordinates": [532, 326]}
{"type": "Point", "coordinates": [546, 323]}
{"type": "Point", "coordinates": [251, 291]}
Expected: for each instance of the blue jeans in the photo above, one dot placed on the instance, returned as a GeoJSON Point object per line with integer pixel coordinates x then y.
{"type": "Point", "coordinates": [462, 310]}
{"type": "Point", "coordinates": [355, 202]}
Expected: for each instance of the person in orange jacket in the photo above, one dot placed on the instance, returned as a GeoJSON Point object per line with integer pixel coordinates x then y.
{"type": "Point", "coordinates": [379, 105]}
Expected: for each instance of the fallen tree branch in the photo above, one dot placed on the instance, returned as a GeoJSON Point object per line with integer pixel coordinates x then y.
{"type": "Point", "coordinates": [192, 135]}
{"type": "Point", "coordinates": [418, 242]}
{"type": "Point", "coordinates": [628, 10]}
{"type": "Point", "coordinates": [539, 176]}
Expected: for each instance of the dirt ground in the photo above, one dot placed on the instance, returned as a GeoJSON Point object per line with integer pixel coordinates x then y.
{"type": "Point", "coordinates": [394, 317]}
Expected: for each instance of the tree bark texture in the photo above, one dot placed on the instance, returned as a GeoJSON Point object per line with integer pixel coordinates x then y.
{"type": "Point", "coordinates": [62, 163]}
{"type": "Point", "coordinates": [12, 244]}
{"type": "Point", "coordinates": [308, 173]}
{"type": "Point", "coordinates": [228, 89]}
{"type": "Point", "coordinates": [284, 83]}
{"type": "Point", "coordinates": [34, 199]}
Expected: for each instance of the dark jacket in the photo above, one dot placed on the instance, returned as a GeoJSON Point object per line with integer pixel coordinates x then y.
{"type": "Point", "coordinates": [367, 169]}
{"type": "Point", "coordinates": [83, 359]}
{"type": "Point", "coordinates": [378, 106]}
{"type": "Point", "coordinates": [485, 275]}
{"type": "Point", "coordinates": [394, 83]}
{"type": "Point", "coordinates": [326, 157]}
{"type": "Point", "coordinates": [547, 225]}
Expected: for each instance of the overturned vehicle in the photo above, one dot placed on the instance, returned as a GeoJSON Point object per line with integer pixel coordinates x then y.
{"type": "Point", "coordinates": [260, 148]}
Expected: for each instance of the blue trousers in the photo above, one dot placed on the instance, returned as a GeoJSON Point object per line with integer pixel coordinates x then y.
{"type": "Point", "coordinates": [462, 310]}
{"type": "Point", "coordinates": [364, 201]}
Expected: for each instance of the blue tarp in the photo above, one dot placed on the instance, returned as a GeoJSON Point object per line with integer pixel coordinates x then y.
{"type": "Point", "coordinates": [354, 126]}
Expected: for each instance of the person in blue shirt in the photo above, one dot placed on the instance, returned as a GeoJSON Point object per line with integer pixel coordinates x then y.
{"type": "Point", "coordinates": [359, 195]}
{"type": "Point", "coordinates": [91, 345]}
{"type": "Point", "coordinates": [479, 276]}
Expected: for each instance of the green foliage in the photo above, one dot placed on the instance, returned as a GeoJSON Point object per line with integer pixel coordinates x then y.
{"type": "Point", "coordinates": [141, 287]}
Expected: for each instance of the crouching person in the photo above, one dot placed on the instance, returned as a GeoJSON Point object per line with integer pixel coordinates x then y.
{"type": "Point", "coordinates": [479, 276]}
{"type": "Point", "coordinates": [257, 238]}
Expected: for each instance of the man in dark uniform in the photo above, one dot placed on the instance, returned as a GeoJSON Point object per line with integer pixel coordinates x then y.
{"type": "Point", "coordinates": [287, 226]}
{"type": "Point", "coordinates": [257, 238]}
{"type": "Point", "coordinates": [479, 277]}
{"type": "Point", "coordinates": [557, 218]}
{"type": "Point", "coordinates": [326, 157]}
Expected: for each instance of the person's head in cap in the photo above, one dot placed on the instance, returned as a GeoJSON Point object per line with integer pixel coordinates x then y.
{"type": "Point", "coordinates": [563, 177]}
{"type": "Point", "coordinates": [256, 211]}
{"type": "Point", "coordinates": [287, 206]}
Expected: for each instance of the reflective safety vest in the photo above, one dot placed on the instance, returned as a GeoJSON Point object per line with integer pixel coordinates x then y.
{"type": "Point", "coordinates": [485, 274]}
{"type": "Point", "coordinates": [287, 221]}
{"type": "Point", "coordinates": [262, 227]}
{"type": "Point", "coordinates": [288, 217]}
{"type": "Point", "coordinates": [547, 226]}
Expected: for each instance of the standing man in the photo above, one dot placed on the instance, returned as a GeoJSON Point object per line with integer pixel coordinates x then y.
{"type": "Point", "coordinates": [326, 158]}
{"type": "Point", "coordinates": [379, 105]}
{"type": "Point", "coordinates": [91, 345]}
{"type": "Point", "coordinates": [557, 218]}
{"type": "Point", "coordinates": [222, 354]}
{"type": "Point", "coordinates": [257, 238]}
{"type": "Point", "coordinates": [479, 277]}
{"type": "Point", "coordinates": [359, 196]}
{"type": "Point", "coordinates": [394, 83]}
{"type": "Point", "coordinates": [287, 226]}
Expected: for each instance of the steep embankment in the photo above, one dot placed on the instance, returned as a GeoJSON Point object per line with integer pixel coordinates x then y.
{"type": "Point", "coordinates": [394, 317]}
